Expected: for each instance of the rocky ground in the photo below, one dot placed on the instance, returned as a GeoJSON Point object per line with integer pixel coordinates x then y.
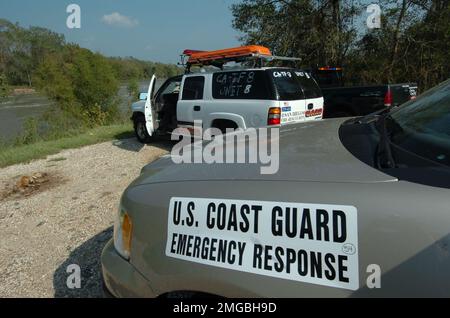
{"type": "Point", "coordinates": [60, 211]}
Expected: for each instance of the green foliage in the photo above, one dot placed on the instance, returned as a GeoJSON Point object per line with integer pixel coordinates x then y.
{"type": "Point", "coordinates": [316, 33]}
{"type": "Point", "coordinates": [84, 85]}
{"type": "Point", "coordinates": [31, 132]}
{"type": "Point", "coordinates": [13, 154]}
{"type": "Point", "coordinates": [93, 79]}
{"type": "Point", "coordinates": [52, 78]}
{"type": "Point", "coordinates": [4, 87]}
{"type": "Point", "coordinates": [22, 50]}
{"type": "Point", "coordinates": [413, 44]}
{"type": "Point", "coordinates": [133, 87]}
{"type": "Point", "coordinates": [74, 74]}
{"type": "Point", "coordinates": [95, 116]}
{"type": "Point", "coordinates": [130, 68]}
{"type": "Point", "coordinates": [54, 124]}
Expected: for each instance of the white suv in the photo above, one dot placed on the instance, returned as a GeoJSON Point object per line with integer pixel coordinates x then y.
{"type": "Point", "coordinates": [238, 98]}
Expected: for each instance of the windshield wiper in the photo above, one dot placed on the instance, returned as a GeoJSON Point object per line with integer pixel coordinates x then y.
{"type": "Point", "coordinates": [371, 117]}
{"type": "Point", "coordinates": [385, 158]}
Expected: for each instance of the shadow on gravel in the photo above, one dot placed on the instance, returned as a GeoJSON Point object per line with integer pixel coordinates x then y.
{"type": "Point", "coordinates": [87, 256]}
{"type": "Point", "coordinates": [132, 144]}
{"type": "Point", "coordinates": [124, 135]}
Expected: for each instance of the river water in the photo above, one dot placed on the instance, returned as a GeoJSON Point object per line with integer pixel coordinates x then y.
{"type": "Point", "coordinates": [16, 109]}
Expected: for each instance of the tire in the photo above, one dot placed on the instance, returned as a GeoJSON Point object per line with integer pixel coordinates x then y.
{"type": "Point", "coordinates": [140, 130]}
{"type": "Point", "coordinates": [222, 125]}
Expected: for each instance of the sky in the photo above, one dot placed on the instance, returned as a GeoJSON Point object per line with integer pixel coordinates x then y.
{"type": "Point", "coordinates": [155, 30]}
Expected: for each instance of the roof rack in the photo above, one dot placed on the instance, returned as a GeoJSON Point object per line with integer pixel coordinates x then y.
{"type": "Point", "coordinates": [256, 53]}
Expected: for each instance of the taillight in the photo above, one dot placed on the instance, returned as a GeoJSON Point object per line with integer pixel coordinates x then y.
{"type": "Point", "coordinates": [274, 117]}
{"type": "Point", "coordinates": [388, 98]}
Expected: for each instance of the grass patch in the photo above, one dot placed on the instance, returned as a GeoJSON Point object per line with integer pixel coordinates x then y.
{"type": "Point", "coordinates": [10, 155]}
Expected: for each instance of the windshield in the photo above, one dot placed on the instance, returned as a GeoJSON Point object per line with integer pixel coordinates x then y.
{"type": "Point", "coordinates": [422, 126]}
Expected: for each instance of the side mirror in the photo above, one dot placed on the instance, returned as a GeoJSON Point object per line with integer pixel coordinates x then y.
{"type": "Point", "coordinates": [143, 96]}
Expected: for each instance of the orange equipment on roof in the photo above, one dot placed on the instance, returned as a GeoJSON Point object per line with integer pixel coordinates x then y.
{"type": "Point", "coordinates": [228, 54]}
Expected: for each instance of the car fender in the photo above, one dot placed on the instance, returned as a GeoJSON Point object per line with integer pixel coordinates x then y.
{"type": "Point", "coordinates": [239, 120]}
{"type": "Point", "coordinates": [138, 107]}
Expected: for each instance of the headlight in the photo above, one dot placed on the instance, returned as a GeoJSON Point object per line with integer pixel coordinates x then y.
{"type": "Point", "coordinates": [123, 228]}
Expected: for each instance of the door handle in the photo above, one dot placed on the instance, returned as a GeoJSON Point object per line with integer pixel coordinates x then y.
{"type": "Point", "coordinates": [310, 106]}
{"type": "Point", "coordinates": [197, 108]}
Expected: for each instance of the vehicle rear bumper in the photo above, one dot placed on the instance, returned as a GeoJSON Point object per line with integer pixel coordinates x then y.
{"type": "Point", "coordinates": [120, 278]}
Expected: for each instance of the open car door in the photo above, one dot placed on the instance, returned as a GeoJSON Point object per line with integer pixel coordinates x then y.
{"type": "Point", "coordinates": [149, 112]}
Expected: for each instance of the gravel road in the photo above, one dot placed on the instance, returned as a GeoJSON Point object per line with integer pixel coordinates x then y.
{"type": "Point", "coordinates": [60, 211]}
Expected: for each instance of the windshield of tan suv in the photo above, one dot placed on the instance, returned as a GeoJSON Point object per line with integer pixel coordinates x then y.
{"type": "Point", "coordinates": [422, 126]}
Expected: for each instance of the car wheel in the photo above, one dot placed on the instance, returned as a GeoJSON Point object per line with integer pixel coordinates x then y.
{"type": "Point", "coordinates": [222, 125]}
{"type": "Point", "coordinates": [140, 130]}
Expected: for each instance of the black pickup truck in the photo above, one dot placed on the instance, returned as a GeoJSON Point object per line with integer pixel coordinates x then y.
{"type": "Point", "coordinates": [345, 101]}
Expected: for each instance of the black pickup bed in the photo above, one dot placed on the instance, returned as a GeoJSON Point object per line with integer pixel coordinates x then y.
{"type": "Point", "coordinates": [363, 100]}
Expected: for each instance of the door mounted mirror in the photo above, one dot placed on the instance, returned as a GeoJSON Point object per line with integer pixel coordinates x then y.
{"type": "Point", "coordinates": [143, 96]}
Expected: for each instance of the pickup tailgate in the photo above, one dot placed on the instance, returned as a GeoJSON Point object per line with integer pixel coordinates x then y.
{"type": "Point", "coordinates": [364, 100]}
{"type": "Point", "coordinates": [401, 93]}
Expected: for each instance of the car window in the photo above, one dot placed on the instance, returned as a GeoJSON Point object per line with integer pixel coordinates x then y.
{"type": "Point", "coordinates": [171, 86]}
{"type": "Point", "coordinates": [422, 126]}
{"type": "Point", "coordinates": [288, 88]}
{"type": "Point", "coordinates": [294, 84]}
{"type": "Point", "coordinates": [193, 88]}
{"type": "Point", "coordinates": [241, 85]}
{"type": "Point", "coordinates": [310, 87]}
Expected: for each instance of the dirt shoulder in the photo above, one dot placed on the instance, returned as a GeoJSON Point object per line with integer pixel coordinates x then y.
{"type": "Point", "coordinates": [60, 211]}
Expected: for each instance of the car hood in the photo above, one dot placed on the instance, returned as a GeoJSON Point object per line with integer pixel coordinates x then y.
{"type": "Point", "coordinates": [308, 152]}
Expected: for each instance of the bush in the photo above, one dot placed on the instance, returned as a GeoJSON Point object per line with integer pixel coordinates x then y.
{"type": "Point", "coordinates": [52, 78]}
{"type": "Point", "coordinates": [95, 116]}
{"type": "Point", "coordinates": [30, 133]}
{"type": "Point", "coordinates": [4, 87]}
{"type": "Point", "coordinates": [133, 87]}
{"type": "Point", "coordinates": [93, 79]}
{"type": "Point", "coordinates": [84, 86]}
{"type": "Point", "coordinates": [55, 123]}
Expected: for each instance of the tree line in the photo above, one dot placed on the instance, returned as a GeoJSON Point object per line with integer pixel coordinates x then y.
{"type": "Point", "coordinates": [83, 84]}
{"type": "Point", "coordinates": [412, 44]}
{"type": "Point", "coordinates": [26, 52]}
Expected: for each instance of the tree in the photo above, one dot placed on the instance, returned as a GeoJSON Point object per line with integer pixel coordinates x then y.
{"type": "Point", "coordinates": [93, 78]}
{"type": "Point", "coordinates": [428, 45]}
{"type": "Point", "coordinates": [299, 28]}
{"type": "Point", "coordinates": [4, 87]}
{"type": "Point", "coordinates": [133, 87]}
{"type": "Point", "coordinates": [413, 44]}
{"type": "Point", "coordinates": [51, 77]}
